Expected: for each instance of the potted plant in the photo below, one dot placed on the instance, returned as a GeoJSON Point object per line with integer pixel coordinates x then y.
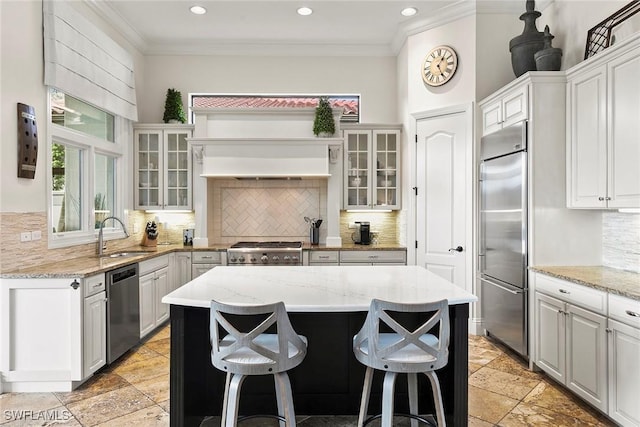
{"type": "Point", "coordinates": [173, 111]}
{"type": "Point", "coordinates": [323, 124]}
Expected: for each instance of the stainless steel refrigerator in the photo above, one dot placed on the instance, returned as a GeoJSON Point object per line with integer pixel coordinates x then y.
{"type": "Point", "coordinates": [503, 235]}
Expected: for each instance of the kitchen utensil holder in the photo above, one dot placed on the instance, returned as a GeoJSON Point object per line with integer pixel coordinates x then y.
{"type": "Point", "coordinates": [314, 235]}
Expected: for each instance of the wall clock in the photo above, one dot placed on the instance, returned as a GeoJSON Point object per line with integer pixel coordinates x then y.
{"type": "Point", "coordinates": [439, 65]}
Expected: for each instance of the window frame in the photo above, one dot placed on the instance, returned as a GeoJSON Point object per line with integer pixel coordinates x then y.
{"type": "Point", "coordinates": [90, 146]}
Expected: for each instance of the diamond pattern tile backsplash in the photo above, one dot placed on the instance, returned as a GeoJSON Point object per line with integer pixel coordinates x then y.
{"type": "Point", "coordinates": [264, 209]}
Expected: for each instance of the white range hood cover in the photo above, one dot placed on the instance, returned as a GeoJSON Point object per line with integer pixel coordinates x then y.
{"type": "Point", "coordinates": [267, 158]}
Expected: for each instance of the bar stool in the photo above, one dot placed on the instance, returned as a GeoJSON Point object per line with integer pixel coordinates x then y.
{"type": "Point", "coordinates": [402, 351]}
{"type": "Point", "coordinates": [256, 352]}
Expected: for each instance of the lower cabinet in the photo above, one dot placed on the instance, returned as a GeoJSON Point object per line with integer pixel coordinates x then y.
{"type": "Point", "coordinates": [154, 285]}
{"type": "Point", "coordinates": [624, 360]}
{"type": "Point", "coordinates": [589, 341]}
{"type": "Point", "coordinates": [365, 257]}
{"type": "Point", "coordinates": [203, 261]}
{"type": "Point", "coordinates": [94, 346]}
{"type": "Point", "coordinates": [182, 269]}
{"type": "Point", "coordinates": [571, 347]}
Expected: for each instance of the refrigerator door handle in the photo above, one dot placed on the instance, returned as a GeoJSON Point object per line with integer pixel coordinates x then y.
{"type": "Point", "coordinates": [501, 287]}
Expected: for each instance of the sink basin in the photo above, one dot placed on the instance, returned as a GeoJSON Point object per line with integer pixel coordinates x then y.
{"type": "Point", "coordinates": [123, 254]}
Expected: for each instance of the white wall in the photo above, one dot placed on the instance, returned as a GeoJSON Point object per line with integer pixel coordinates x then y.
{"type": "Point", "coordinates": [569, 21]}
{"type": "Point", "coordinates": [21, 80]}
{"type": "Point", "coordinates": [373, 78]}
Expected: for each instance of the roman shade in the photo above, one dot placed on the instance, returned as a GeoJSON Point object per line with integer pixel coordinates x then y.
{"type": "Point", "coordinates": [82, 61]}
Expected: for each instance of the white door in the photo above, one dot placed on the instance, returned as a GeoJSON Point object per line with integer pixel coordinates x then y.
{"type": "Point", "coordinates": [443, 173]}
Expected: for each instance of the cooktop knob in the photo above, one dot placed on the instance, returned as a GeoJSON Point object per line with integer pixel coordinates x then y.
{"type": "Point", "coordinates": [264, 258]}
{"type": "Point", "coordinates": [276, 258]}
{"type": "Point", "coordinates": [294, 258]}
{"type": "Point", "coordinates": [252, 259]}
{"type": "Point", "coordinates": [232, 258]}
{"type": "Point", "coordinates": [240, 258]}
{"type": "Point", "coordinates": [286, 258]}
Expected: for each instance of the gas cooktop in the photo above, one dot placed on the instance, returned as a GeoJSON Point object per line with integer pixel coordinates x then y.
{"type": "Point", "coordinates": [266, 245]}
{"type": "Point", "coordinates": [265, 253]}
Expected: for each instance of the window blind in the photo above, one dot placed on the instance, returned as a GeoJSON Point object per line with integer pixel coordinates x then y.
{"type": "Point", "coordinates": [81, 60]}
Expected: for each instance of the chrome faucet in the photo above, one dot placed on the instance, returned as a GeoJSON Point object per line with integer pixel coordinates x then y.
{"type": "Point", "coordinates": [101, 245]}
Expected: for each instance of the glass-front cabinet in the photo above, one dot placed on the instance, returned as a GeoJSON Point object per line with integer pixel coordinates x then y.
{"type": "Point", "coordinates": [371, 164]}
{"type": "Point", "coordinates": [163, 167]}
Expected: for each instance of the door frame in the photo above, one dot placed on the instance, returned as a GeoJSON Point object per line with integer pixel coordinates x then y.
{"type": "Point", "coordinates": [471, 178]}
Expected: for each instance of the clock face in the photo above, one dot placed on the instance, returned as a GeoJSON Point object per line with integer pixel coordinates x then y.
{"type": "Point", "coordinates": [439, 66]}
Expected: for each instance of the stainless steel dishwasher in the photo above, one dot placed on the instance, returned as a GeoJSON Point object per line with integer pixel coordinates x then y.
{"type": "Point", "coordinates": [123, 311]}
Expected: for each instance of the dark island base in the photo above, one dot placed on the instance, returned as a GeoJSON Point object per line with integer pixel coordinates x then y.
{"type": "Point", "coordinates": [328, 382]}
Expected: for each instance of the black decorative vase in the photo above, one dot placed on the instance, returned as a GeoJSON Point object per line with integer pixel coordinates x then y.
{"type": "Point", "coordinates": [549, 58]}
{"type": "Point", "coordinates": [524, 46]}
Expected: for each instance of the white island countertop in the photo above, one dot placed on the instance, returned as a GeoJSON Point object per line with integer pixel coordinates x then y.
{"type": "Point", "coordinates": [317, 288]}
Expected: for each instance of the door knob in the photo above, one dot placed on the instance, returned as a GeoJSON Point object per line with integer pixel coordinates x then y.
{"type": "Point", "coordinates": [458, 249]}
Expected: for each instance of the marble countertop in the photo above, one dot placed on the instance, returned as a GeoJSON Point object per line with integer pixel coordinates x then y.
{"type": "Point", "coordinates": [89, 265]}
{"type": "Point", "coordinates": [620, 282]}
{"type": "Point", "coordinates": [317, 289]}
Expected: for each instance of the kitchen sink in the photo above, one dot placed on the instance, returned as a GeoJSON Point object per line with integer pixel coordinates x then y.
{"type": "Point", "coordinates": [124, 254]}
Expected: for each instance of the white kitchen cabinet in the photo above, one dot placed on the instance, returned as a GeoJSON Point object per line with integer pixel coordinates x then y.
{"type": "Point", "coordinates": [624, 358]}
{"type": "Point", "coordinates": [182, 269]}
{"type": "Point", "coordinates": [510, 108]}
{"type": "Point", "coordinates": [154, 285]}
{"type": "Point", "coordinates": [570, 339]}
{"type": "Point", "coordinates": [94, 346]}
{"type": "Point", "coordinates": [203, 261]}
{"type": "Point", "coordinates": [163, 166]}
{"type": "Point", "coordinates": [324, 258]}
{"type": "Point", "coordinates": [41, 338]}
{"type": "Point", "coordinates": [365, 257]}
{"type": "Point", "coordinates": [603, 127]}
{"type": "Point", "coordinates": [371, 167]}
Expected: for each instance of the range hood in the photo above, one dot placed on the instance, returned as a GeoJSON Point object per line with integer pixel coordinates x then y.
{"type": "Point", "coordinates": [265, 158]}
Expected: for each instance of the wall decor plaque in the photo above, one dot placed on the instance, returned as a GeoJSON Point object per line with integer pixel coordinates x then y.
{"type": "Point", "coordinates": [602, 35]}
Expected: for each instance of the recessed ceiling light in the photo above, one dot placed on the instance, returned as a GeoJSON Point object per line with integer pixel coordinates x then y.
{"type": "Point", "coordinates": [305, 11]}
{"type": "Point", "coordinates": [409, 11]}
{"type": "Point", "coordinates": [198, 10]}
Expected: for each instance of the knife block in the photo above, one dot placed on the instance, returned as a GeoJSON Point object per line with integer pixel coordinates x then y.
{"type": "Point", "coordinates": [146, 241]}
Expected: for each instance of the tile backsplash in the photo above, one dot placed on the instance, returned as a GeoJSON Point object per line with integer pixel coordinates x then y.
{"type": "Point", "coordinates": [621, 240]}
{"type": "Point", "coordinates": [252, 210]}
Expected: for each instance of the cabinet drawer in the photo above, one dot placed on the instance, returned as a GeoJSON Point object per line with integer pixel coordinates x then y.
{"type": "Point", "coordinates": [583, 296]}
{"type": "Point", "coordinates": [399, 257]}
{"type": "Point", "coordinates": [93, 285]}
{"type": "Point", "coordinates": [206, 257]}
{"type": "Point", "coordinates": [323, 256]}
{"type": "Point", "coordinates": [153, 264]}
{"type": "Point", "coordinates": [626, 310]}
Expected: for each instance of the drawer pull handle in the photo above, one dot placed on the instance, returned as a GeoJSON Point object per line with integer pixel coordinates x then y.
{"type": "Point", "coordinates": [207, 257]}
{"type": "Point", "coordinates": [632, 313]}
{"type": "Point", "coordinates": [324, 257]}
{"type": "Point", "coordinates": [97, 285]}
{"type": "Point", "coordinates": [562, 291]}
{"type": "Point", "coordinates": [373, 256]}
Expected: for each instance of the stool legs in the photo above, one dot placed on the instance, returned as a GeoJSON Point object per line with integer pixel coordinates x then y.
{"type": "Point", "coordinates": [412, 386]}
{"type": "Point", "coordinates": [387, 398]}
{"type": "Point", "coordinates": [284, 396]}
{"type": "Point", "coordinates": [232, 399]}
{"type": "Point", "coordinates": [366, 391]}
{"type": "Point", "coordinates": [437, 397]}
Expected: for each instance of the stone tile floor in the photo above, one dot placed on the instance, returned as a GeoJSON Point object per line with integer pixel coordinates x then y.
{"type": "Point", "coordinates": [135, 392]}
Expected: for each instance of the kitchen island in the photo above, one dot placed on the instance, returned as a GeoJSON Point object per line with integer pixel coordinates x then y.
{"type": "Point", "coordinates": [326, 304]}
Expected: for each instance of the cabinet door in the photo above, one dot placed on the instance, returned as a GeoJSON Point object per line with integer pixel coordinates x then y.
{"type": "Point", "coordinates": [94, 346]}
{"type": "Point", "coordinates": [624, 129]}
{"type": "Point", "coordinates": [587, 355]}
{"type": "Point", "coordinates": [550, 336]}
{"type": "Point", "coordinates": [161, 289]}
{"type": "Point", "coordinates": [148, 164]}
{"type": "Point", "coordinates": [199, 269]}
{"type": "Point", "coordinates": [492, 117]}
{"type": "Point", "coordinates": [182, 268]}
{"type": "Point", "coordinates": [177, 191]}
{"type": "Point", "coordinates": [357, 160]}
{"type": "Point", "coordinates": [147, 304]}
{"type": "Point", "coordinates": [587, 139]}
{"type": "Point", "coordinates": [515, 106]}
{"type": "Point", "coordinates": [386, 181]}
{"type": "Point", "coordinates": [624, 373]}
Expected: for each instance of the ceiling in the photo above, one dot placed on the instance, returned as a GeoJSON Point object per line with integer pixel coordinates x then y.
{"type": "Point", "coordinates": [355, 27]}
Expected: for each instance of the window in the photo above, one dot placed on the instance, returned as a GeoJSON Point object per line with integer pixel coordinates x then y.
{"type": "Point", "coordinates": [350, 104]}
{"type": "Point", "coordinates": [86, 171]}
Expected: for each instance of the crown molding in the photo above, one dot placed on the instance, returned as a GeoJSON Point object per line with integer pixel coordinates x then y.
{"type": "Point", "coordinates": [118, 22]}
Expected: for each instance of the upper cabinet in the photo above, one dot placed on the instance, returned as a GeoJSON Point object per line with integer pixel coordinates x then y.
{"type": "Point", "coordinates": [505, 111]}
{"type": "Point", "coordinates": [371, 167]}
{"type": "Point", "coordinates": [603, 149]}
{"type": "Point", "coordinates": [162, 166]}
